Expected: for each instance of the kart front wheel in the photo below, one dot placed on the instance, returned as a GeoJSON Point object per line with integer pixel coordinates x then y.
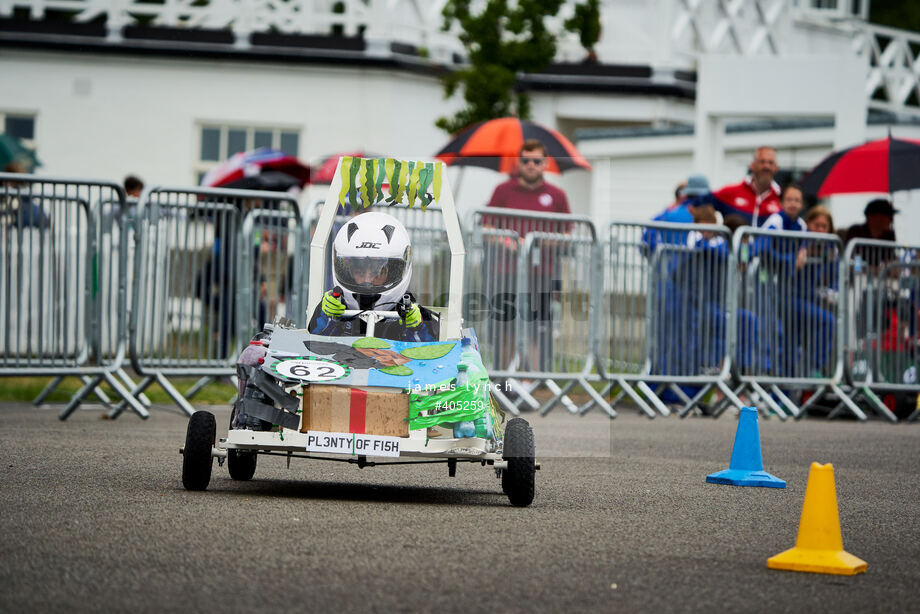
{"type": "Point", "coordinates": [196, 457]}
{"type": "Point", "coordinates": [518, 451]}
{"type": "Point", "coordinates": [241, 464]}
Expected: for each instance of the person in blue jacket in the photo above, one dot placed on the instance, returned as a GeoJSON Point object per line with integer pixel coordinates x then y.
{"type": "Point", "coordinates": [680, 212]}
{"type": "Point", "coordinates": [689, 327]}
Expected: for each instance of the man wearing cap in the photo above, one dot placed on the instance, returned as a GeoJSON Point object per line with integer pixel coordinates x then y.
{"type": "Point", "coordinates": [879, 220]}
{"type": "Point", "coordinates": [680, 212]}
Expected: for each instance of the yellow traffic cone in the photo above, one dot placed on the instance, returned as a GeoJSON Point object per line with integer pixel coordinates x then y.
{"type": "Point", "coordinates": [819, 546]}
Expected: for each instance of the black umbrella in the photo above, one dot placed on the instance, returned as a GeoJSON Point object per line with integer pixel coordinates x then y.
{"type": "Point", "coordinates": [272, 181]}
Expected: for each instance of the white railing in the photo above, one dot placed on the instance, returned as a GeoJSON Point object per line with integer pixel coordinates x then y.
{"type": "Point", "coordinates": [380, 22]}
{"type": "Point", "coordinates": [894, 67]}
{"type": "Point", "coordinates": [757, 27]}
{"type": "Point", "coordinates": [743, 27]}
{"type": "Point", "coordinates": [414, 22]}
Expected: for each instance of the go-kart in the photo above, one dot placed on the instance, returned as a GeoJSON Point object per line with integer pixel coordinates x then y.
{"type": "Point", "coordinates": [367, 400]}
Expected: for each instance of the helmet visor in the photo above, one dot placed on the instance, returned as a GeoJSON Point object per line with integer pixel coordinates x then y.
{"type": "Point", "coordinates": [369, 275]}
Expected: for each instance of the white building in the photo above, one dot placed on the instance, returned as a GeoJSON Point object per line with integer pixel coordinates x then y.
{"type": "Point", "coordinates": [104, 88]}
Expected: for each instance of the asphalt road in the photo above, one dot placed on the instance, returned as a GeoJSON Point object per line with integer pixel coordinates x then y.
{"type": "Point", "coordinates": [94, 518]}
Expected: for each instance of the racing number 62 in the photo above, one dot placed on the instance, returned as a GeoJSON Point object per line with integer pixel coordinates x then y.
{"type": "Point", "coordinates": [310, 369]}
{"type": "Point", "coordinates": [303, 371]}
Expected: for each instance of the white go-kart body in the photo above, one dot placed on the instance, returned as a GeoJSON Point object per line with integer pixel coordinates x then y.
{"type": "Point", "coordinates": [367, 400]}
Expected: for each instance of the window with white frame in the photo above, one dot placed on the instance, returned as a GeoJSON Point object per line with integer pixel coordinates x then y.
{"type": "Point", "coordinates": [217, 142]}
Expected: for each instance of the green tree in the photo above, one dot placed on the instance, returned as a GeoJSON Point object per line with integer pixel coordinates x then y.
{"type": "Point", "coordinates": [502, 41]}
{"type": "Point", "coordinates": [896, 14]}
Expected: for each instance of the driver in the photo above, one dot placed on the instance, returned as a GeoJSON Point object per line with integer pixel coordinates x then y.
{"type": "Point", "coordinates": [371, 269]}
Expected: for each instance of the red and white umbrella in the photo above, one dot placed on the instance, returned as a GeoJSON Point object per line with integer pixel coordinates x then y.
{"type": "Point", "coordinates": [252, 169]}
{"type": "Point", "coordinates": [886, 165]}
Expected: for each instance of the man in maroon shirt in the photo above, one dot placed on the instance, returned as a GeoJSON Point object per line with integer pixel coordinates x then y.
{"type": "Point", "coordinates": [525, 191]}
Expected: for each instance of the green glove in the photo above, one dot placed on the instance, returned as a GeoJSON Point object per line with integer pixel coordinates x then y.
{"type": "Point", "coordinates": [413, 316]}
{"type": "Point", "coordinates": [332, 306]}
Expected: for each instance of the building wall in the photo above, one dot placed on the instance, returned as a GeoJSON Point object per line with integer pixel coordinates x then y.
{"type": "Point", "coordinates": [634, 178]}
{"type": "Point", "coordinates": [105, 116]}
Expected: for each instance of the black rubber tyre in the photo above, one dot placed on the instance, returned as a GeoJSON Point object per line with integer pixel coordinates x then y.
{"type": "Point", "coordinates": [241, 464]}
{"type": "Point", "coordinates": [196, 458]}
{"type": "Point", "coordinates": [518, 477]}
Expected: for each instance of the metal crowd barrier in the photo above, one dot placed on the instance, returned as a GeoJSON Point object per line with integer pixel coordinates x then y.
{"type": "Point", "coordinates": [518, 265]}
{"type": "Point", "coordinates": [882, 327]}
{"type": "Point", "coordinates": [666, 314]}
{"type": "Point", "coordinates": [789, 319]}
{"type": "Point", "coordinates": [51, 300]}
{"type": "Point", "coordinates": [207, 262]}
{"type": "Point", "coordinates": [660, 313]}
{"type": "Point", "coordinates": [116, 247]}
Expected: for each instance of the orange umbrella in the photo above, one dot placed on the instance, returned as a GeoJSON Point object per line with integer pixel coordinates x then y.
{"type": "Point", "coordinates": [496, 143]}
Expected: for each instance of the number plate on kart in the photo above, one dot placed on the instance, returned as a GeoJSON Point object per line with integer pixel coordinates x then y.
{"type": "Point", "coordinates": [352, 443]}
{"type": "Point", "coordinates": [310, 369]}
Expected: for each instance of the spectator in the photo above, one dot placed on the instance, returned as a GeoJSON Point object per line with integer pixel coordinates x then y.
{"type": "Point", "coordinates": [16, 202]}
{"type": "Point", "coordinates": [878, 226]}
{"type": "Point", "coordinates": [756, 197]}
{"type": "Point", "coordinates": [678, 196]}
{"type": "Point", "coordinates": [818, 219]}
{"type": "Point", "coordinates": [868, 268]}
{"type": "Point", "coordinates": [711, 272]}
{"type": "Point", "coordinates": [815, 294]}
{"type": "Point", "coordinates": [776, 286]}
{"type": "Point", "coordinates": [680, 211]}
{"type": "Point", "coordinates": [527, 190]}
{"type": "Point", "coordinates": [133, 186]}
{"type": "Point", "coordinates": [783, 252]}
{"type": "Point", "coordinates": [705, 214]}
{"type": "Point", "coordinates": [879, 219]}
{"type": "Point", "coordinates": [734, 221]}
{"type": "Point", "coordinates": [689, 322]}
{"type": "Point", "coordinates": [524, 191]}
{"type": "Point", "coordinates": [791, 201]}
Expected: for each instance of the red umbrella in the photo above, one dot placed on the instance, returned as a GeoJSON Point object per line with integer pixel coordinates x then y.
{"type": "Point", "coordinates": [325, 170]}
{"type": "Point", "coordinates": [887, 165]}
{"type": "Point", "coordinates": [496, 143]}
{"type": "Point", "coordinates": [243, 169]}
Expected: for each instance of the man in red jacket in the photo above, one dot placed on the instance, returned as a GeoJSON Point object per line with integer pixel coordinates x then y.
{"type": "Point", "coordinates": [756, 197]}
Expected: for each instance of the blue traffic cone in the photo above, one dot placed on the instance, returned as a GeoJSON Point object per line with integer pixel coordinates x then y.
{"type": "Point", "coordinates": [746, 468]}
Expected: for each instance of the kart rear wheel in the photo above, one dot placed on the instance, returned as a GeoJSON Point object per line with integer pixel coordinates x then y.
{"type": "Point", "coordinates": [196, 457]}
{"type": "Point", "coordinates": [518, 451]}
{"type": "Point", "coordinates": [241, 464]}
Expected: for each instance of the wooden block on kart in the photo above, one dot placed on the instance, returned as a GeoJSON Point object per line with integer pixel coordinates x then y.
{"type": "Point", "coordinates": [340, 409]}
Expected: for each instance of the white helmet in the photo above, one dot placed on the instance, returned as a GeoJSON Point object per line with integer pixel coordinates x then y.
{"type": "Point", "coordinates": [372, 261]}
